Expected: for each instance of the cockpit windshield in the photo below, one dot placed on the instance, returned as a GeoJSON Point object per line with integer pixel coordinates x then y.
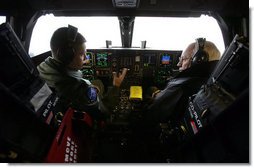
{"type": "Point", "coordinates": [96, 30]}
{"type": "Point", "coordinates": [159, 32]}
{"type": "Point", "coordinates": [176, 33]}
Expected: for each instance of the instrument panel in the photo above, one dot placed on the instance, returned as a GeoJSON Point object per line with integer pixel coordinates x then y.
{"type": "Point", "coordinates": [146, 67]}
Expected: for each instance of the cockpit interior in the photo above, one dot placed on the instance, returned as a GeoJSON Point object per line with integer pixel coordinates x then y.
{"type": "Point", "coordinates": [148, 37]}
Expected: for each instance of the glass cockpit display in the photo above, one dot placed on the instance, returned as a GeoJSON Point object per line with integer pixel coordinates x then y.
{"type": "Point", "coordinates": [102, 59]}
{"type": "Point", "coordinates": [165, 59]}
{"type": "Point", "coordinates": [89, 58]}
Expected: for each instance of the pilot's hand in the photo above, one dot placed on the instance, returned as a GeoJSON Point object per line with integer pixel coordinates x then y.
{"type": "Point", "coordinates": [117, 79]}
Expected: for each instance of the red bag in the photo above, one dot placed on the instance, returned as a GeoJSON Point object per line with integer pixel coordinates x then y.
{"type": "Point", "coordinates": [69, 145]}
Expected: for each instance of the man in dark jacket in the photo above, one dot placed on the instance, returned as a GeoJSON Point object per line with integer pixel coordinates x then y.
{"type": "Point", "coordinates": [195, 65]}
{"type": "Point", "coordinates": [62, 73]}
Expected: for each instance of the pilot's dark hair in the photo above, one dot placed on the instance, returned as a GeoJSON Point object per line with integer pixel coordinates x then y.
{"type": "Point", "coordinates": [64, 42]}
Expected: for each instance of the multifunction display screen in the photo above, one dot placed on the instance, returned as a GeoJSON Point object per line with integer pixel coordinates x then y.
{"type": "Point", "coordinates": [89, 59]}
{"type": "Point", "coordinates": [165, 59]}
{"type": "Point", "coordinates": [102, 59]}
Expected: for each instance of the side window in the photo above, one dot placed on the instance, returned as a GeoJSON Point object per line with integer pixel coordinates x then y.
{"type": "Point", "coordinates": [2, 19]}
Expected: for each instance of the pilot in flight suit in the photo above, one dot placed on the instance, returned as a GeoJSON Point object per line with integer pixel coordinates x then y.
{"type": "Point", "coordinates": [62, 73]}
{"type": "Point", "coordinates": [195, 65]}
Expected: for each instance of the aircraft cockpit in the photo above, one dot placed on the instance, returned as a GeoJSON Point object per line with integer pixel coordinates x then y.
{"type": "Point", "coordinates": [157, 115]}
